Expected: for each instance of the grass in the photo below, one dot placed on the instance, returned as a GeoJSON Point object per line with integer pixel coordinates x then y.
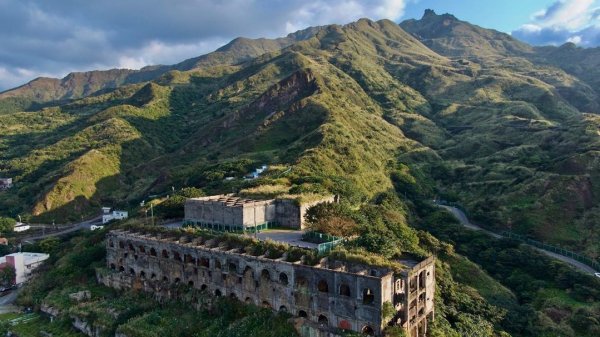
{"type": "Point", "coordinates": [467, 272]}
{"type": "Point", "coordinates": [31, 325]}
{"type": "Point", "coordinates": [552, 297]}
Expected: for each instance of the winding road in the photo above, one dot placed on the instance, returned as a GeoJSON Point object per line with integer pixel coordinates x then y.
{"type": "Point", "coordinates": [462, 218]}
{"type": "Point", "coordinates": [73, 228]}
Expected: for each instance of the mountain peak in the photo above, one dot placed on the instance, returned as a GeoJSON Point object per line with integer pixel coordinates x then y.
{"type": "Point", "coordinates": [428, 13]}
{"type": "Point", "coordinates": [449, 36]}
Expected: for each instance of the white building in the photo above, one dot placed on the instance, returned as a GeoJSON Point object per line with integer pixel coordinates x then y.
{"type": "Point", "coordinates": [6, 183]}
{"type": "Point", "coordinates": [107, 216]}
{"type": "Point", "coordinates": [21, 227]}
{"type": "Point", "coordinates": [24, 264]}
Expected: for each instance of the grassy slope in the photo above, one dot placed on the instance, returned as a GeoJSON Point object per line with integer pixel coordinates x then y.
{"type": "Point", "coordinates": [497, 134]}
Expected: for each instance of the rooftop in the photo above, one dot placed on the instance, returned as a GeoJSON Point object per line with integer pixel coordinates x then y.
{"type": "Point", "coordinates": [341, 261]}
{"type": "Point", "coordinates": [28, 258]}
{"type": "Point", "coordinates": [229, 200]}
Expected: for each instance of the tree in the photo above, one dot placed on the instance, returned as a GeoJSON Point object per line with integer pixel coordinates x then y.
{"type": "Point", "coordinates": [331, 218]}
{"type": "Point", "coordinates": [173, 207]}
{"type": "Point", "coordinates": [7, 276]}
{"type": "Point", "coordinates": [7, 225]}
{"type": "Point", "coordinates": [49, 245]}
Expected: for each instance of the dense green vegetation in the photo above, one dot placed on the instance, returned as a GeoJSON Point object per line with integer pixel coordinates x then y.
{"type": "Point", "coordinates": [361, 110]}
{"type": "Point", "coordinates": [550, 298]}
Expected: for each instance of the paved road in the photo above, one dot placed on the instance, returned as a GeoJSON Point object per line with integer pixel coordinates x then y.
{"type": "Point", "coordinates": [81, 225]}
{"type": "Point", "coordinates": [6, 302]}
{"type": "Point", "coordinates": [462, 218]}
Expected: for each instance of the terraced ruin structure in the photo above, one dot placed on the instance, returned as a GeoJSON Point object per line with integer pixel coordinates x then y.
{"type": "Point", "coordinates": [331, 293]}
{"type": "Point", "coordinates": [232, 213]}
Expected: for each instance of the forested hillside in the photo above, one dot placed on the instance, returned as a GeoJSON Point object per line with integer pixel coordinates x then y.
{"type": "Point", "coordinates": [429, 108]}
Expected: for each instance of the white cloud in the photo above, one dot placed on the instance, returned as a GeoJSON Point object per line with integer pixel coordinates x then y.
{"type": "Point", "coordinates": [569, 14]}
{"type": "Point", "coordinates": [55, 37]}
{"type": "Point", "coordinates": [574, 39]}
{"type": "Point", "coordinates": [312, 13]}
{"type": "Point", "coordinates": [573, 21]}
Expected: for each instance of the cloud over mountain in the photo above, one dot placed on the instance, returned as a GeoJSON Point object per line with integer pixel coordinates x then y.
{"type": "Point", "coordinates": [53, 38]}
{"type": "Point", "coordinates": [576, 21]}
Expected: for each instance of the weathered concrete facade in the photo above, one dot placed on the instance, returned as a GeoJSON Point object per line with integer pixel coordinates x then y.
{"type": "Point", "coordinates": [333, 294]}
{"type": "Point", "coordinates": [227, 212]}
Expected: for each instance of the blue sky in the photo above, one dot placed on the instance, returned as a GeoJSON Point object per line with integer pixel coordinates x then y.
{"type": "Point", "coordinates": [53, 38]}
{"type": "Point", "coordinates": [505, 15]}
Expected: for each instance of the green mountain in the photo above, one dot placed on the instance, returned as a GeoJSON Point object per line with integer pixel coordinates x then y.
{"type": "Point", "coordinates": [42, 91]}
{"type": "Point", "coordinates": [484, 120]}
{"type": "Point", "coordinates": [429, 108]}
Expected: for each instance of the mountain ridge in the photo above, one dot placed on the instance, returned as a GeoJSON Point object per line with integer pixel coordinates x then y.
{"type": "Point", "coordinates": [81, 84]}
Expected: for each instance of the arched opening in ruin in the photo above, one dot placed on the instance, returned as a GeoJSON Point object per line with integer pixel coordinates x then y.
{"type": "Point", "coordinates": [323, 320]}
{"type": "Point", "coordinates": [165, 279]}
{"type": "Point", "coordinates": [142, 274]}
{"type": "Point", "coordinates": [152, 276]}
{"type": "Point", "coordinates": [302, 313]}
{"type": "Point", "coordinates": [112, 266]}
{"type": "Point", "coordinates": [121, 244]}
{"type": "Point", "coordinates": [248, 300]}
{"type": "Point", "coordinates": [131, 247]}
{"type": "Point", "coordinates": [217, 264]}
{"type": "Point", "coordinates": [217, 292]}
{"type": "Point", "coordinates": [368, 331]}
{"type": "Point", "coordinates": [344, 290]}
{"type": "Point", "coordinates": [283, 279]}
{"type": "Point", "coordinates": [232, 267]}
{"type": "Point", "coordinates": [233, 296]}
{"type": "Point", "coordinates": [121, 269]}
{"type": "Point", "coordinates": [176, 256]}
{"type": "Point", "coordinates": [152, 252]}
{"type": "Point", "coordinates": [111, 243]}
{"type": "Point", "coordinates": [165, 254]}
{"type": "Point", "coordinates": [322, 286]}
{"type": "Point", "coordinates": [265, 275]}
{"type": "Point", "coordinates": [131, 271]}
{"type": "Point", "coordinates": [177, 280]}
{"type": "Point", "coordinates": [190, 283]}
{"type": "Point", "coordinates": [204, 262]}
{"type": "Point", "coordinates": [142, 249]}
{"type": "Point", "coordinates": [283, 308]}
{"type": "Point", "coordinates": [368, 296]}
{"type": "Point", "coordinates": [266, 304]}
{"type": "Point", "coordinates": [203, 287]}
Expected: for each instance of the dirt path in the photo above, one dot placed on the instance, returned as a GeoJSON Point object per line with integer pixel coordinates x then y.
{"type": "Point", "coordinates": [462, 218]}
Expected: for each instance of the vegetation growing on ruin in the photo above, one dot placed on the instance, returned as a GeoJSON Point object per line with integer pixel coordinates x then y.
{"type": "Point", "coordinates": [365, 111]}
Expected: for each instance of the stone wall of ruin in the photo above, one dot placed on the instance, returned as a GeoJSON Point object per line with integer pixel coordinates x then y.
{"type": "Point", "coordinates": [328, 297]}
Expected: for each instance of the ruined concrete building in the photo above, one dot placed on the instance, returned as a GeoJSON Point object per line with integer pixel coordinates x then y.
{"type": "Point", "coordinates": [330, 294]}
{"type": "Point", "coordinates": [228, 212]}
